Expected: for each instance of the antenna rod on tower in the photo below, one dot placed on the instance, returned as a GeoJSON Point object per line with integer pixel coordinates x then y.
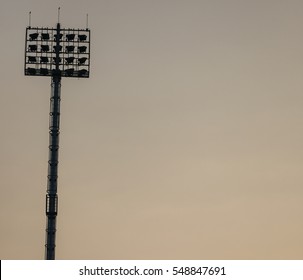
{"type": "Point", "coordinates": [59, 15]}
{"type": "Point", "coordinates": [29, 18]}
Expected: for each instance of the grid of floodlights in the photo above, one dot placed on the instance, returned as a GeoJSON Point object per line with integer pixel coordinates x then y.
{"type": "Point", "coordinates": [40, 54]}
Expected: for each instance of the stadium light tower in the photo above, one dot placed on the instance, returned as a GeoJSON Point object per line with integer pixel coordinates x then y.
{"type": "Point", "coordinates": [55, 52]}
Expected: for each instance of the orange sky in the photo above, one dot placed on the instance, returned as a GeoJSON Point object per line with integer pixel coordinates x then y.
{"type": "Point", "coordinates": [185, 142]}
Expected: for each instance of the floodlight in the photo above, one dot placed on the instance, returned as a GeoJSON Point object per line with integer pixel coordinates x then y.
{"type": "Point", "coordinates": [69, 60]}
{"type": "Point", "coordinates": [32, 48]}
{"type": "Point", "coordinates": [33, 36]}
{"type": "Point", "coordinates": [82, 37]}
{"type": "Point", "coordinates": [69, 48]}
{"type": "Point", "coordinates": [31, 71]}
{"type": "Point", "coordinates": [70, 37]}
{"type": "Point", "coordinates": [60, 48]}
{"type": "Point", "coordinates": [70, 71]}
{"type": "Point", "coordinates": [32, 59]}
{"type": "Point", "coordinates": [45, 36]}
{"type": "Point", "coordinates": [60, 36]}
{"type": "Point", "coordinates": [82, 49]}
{"type": "Point", "coordinates": [82, 60]}
{"type": "Point", "coordinates": [59, 59]}
{"type": "Point", "coordinates": [44, 71]}
{"type": "Point", "coordinates": [44, 59]}
{"type": "Point", "coordinates": [82, 72]}
{"type": "Point", "coordinates": [44, 48]}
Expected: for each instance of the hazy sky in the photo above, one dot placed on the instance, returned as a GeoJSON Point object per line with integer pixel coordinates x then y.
{"type": "Point", "coordinates": [185, 143]}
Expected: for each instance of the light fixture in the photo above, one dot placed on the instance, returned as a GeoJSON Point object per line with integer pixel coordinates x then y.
{"type": "Point", "coordinates": [44, 71]}
{"type": "Point", "coordinates": [44, 48]}
{"type": "Point", "coordinates": [33, 36]}
{"type": "Point", "coordinates": [82, 37]}
{"type": "Point", "coordinates": [31, 71]}
{"type": "Point", "coordinates": [82, 49]}
{"type": "Point", "coordinates": [70, 37]}
{"type": "Point", "coordinates": [60, 36]}
{"type": "Point", "coordinates": [82, 72]}
{"type": "Point", "coordinates": [32, 48]}
{"type": "Point", "coordinates": [32, 59]}
{"type": "Point", "coordinates": [44, 59]}
{"type": "Point", "coordinates": [69, 60]}
{"type": "Point", "coordinates": [70, 71]}
{"type": "Point", "coordinates": [60, 48]}
{"type": "Point", "coordinates": [82, 60]}
{"type": "Point", "coordinates": [69, 48]}
{"type": "Point", "coordinates": [45, 36]}
{"type": "Point", "coordinates": [54, 59]}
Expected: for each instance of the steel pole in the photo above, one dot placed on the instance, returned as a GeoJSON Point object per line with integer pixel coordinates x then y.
{"type": "Point", "coordinates": [54, 130]}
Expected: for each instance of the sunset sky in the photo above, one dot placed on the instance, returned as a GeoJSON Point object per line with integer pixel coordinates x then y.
{"type": "Point", "coordinates": [186, 142]}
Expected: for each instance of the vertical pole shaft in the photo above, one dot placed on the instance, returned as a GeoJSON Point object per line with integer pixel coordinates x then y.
{"type": "Point", "coordinates": [54, 130]}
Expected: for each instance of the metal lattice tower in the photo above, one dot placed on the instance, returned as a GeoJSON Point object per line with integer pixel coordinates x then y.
{"type": "Point", "coordinates": [55, 52]}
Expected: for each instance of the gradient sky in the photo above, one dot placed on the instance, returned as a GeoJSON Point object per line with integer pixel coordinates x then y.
{"type": "Point", "coordinates": [185, 143]}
